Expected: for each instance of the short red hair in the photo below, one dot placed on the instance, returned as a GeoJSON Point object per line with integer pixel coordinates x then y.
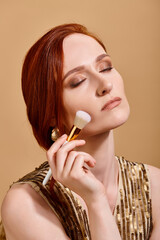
{"type": "Point", "coordinates": [42, 81]}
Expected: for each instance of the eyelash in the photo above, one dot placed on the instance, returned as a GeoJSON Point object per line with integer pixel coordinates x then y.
{"type": "Point", "coordinates": [73, 85]}
{"type": "Point", "coordinates": [106, 69]}
{"type": "Point", "coordinates": [78, 83]}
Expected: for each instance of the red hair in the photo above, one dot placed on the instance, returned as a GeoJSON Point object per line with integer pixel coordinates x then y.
{"type": "Point", "coordinates": [42, 81]}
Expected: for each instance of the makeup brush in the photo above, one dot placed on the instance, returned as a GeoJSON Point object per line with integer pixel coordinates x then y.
{"type": "Point", "coordinates": [80, 121]}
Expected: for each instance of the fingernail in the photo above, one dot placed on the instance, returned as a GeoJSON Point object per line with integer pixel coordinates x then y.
{"type": "Point", "coordinates": [94, 164]}
{"type": "Point", "coordinates": [64, 135]}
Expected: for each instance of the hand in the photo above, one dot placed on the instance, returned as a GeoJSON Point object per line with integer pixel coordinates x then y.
{"type": "Point", "coordinates": [68, 168]}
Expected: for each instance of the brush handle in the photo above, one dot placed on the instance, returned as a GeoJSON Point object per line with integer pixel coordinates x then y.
{"type": "Point", "coordinates": [49, 173]}
{"type": "Point", "coordinates": [47, 177]}
{"type": "Point", "coordinates": [74, 132]}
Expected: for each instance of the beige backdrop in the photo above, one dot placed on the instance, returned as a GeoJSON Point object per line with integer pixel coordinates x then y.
{"type": "Point", "coordinates": [131, 32]}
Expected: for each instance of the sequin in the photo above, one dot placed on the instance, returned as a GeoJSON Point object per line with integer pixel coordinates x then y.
{"type": "Point", "coordinates": [133, 212]}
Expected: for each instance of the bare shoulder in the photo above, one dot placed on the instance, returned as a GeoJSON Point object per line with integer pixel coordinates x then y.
{"type": "Point", "coordinates": [22, 209]}
{"type": "Point", "coordinates": [154, 173]}
{"type": "Point", "coordinates": [154, 176]}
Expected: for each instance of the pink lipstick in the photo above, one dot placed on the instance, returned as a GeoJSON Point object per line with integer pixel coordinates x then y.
{"type": "Point", "coordinates": [112, 104]}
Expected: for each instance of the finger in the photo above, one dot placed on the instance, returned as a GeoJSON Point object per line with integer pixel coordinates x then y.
{"type": "Point", "coordinates": [62, 153]}
{"type": "Point", "coordinates": [79, 163]}
{"type": "Point", "coordinates": [56, 145]}
{"type": "Point", "coordinates": [69, 146]}
{"type": "Point", "coordinates": [77, 167]}
{"type": "Point", "coordinates": [92, 161]}
{"type": "Point", "coordinates": [69, 162]}
{"type": "Point", "coordinates": [51, 153]}
{"type": "Point", "coordinates": [71, 158]}
{"type": "Point", "coordinates": [53, 167]}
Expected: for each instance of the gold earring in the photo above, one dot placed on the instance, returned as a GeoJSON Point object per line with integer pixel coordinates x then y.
{"type": "Point", "coordinates": [55, 134]}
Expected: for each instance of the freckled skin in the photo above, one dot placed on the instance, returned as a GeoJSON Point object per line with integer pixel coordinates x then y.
{"type": "Point", "coordinates": [97, 88]}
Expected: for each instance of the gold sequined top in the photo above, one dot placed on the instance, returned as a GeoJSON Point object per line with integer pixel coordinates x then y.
{"type": "Point", "coordinates": [133, 210]}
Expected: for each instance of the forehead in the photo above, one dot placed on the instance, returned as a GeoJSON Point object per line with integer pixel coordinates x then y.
{"type": "Point", "coordinates": [80, 49]}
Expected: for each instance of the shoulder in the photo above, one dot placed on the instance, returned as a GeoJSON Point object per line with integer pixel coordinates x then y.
{"type": "Point", "coordinates": [25, 208]}
{"type": "Point", "coordinates": [18, 196]}
{"type": "Point", "coordinates": [154, 175]}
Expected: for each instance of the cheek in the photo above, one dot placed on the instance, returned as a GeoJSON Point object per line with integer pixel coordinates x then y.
{"type": "Point", "coordinates": [73, 101]}
{"type": "Point", "coordinates": [118, 80]}
{"type": "Point", "coordinates": [71, 104]}
{"type": "Point", "coordinates": [69, 114]}
{"type": "Point", "coordinates": [119, 85]}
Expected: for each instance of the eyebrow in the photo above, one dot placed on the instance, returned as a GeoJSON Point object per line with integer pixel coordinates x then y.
{"type": "Point", "coordinates": [79, 68]}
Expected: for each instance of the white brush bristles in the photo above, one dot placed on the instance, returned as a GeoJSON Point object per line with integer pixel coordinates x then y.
{"type": "Point", "coordinates": [81, 119]}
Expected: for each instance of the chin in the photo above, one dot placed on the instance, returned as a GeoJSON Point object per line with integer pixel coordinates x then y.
{"type": "Point", "coordinates": [121, 118]}
{"type": "Point", "coordinates": [117, 119]}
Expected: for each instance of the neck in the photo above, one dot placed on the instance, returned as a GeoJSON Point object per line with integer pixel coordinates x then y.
{"type": "Point", "coordinates": [101, 147]}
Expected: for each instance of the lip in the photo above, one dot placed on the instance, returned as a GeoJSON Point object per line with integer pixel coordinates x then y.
{"type": "Point", "coordinates": [111, 103]}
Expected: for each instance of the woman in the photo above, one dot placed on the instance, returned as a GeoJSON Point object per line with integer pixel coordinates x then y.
{"type": "Point", "coordinates": [93, 193]}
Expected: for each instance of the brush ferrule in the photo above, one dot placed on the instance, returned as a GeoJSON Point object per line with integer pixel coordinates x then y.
{"type": "Point", "coordinates": [73, 133]}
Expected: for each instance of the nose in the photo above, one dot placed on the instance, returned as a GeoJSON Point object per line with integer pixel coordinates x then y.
{"type": "Point", "coordinates": [104, 86]}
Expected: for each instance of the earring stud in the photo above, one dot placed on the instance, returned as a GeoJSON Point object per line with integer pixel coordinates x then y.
{"type": "Point", "coordinates": [55, 134]}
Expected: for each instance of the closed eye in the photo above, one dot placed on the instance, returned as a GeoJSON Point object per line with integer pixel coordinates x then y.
{"type": "Point", "coordinates": [106, 69]}
{"type": "Point", "coordinates": [73, 85]}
